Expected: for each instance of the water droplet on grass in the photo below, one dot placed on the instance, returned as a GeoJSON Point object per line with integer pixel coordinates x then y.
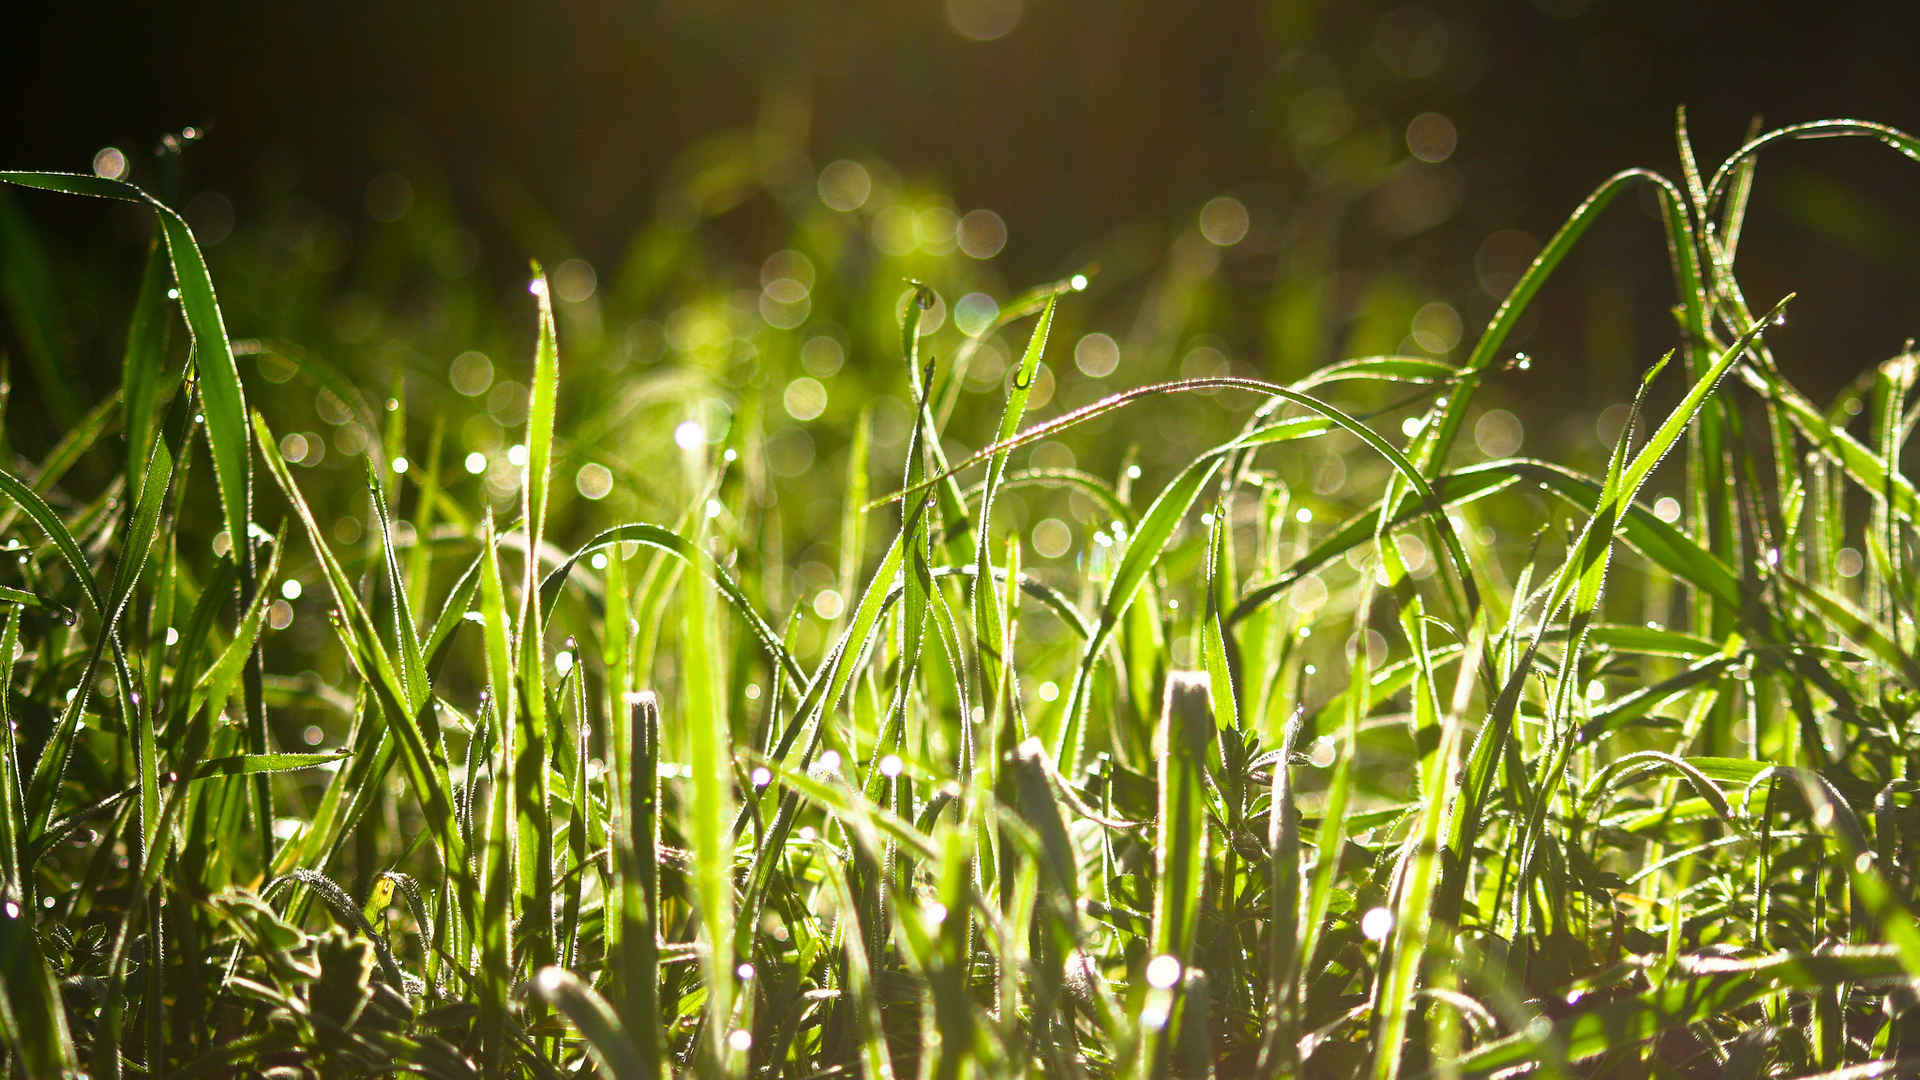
{"type": "Point", "coordinates": [1321, 755]}
{"type": "Point", "coordinates": [1163, 972]}
{"type": "Point", "coordinates": [1376, 923]}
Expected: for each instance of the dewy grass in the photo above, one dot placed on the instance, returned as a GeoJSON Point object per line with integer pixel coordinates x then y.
{"type": "Point", "coordinates": [1412, 788]}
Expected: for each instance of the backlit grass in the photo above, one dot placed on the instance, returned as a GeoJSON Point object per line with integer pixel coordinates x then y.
{"type": "Point", "coordinates": [938, 754]}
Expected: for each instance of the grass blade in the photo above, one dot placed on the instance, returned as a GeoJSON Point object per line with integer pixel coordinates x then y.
{"type": "Point", "coordinates": [590, 1013]}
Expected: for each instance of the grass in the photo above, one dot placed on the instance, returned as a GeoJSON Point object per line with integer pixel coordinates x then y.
{"type": "Point", "coordinates": [1468, 766]}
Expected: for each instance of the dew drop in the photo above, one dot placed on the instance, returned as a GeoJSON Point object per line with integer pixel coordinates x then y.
{"type": "Point", "coordinates": [1376, 923]}
{"type": "Point", "coordinates": [1321, 755]}
{"type": "Point", "coordinates": [1163, 971]}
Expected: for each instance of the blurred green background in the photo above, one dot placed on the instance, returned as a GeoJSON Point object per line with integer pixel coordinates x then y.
{"type": "Point", "coordinates": [1094, 130]}
{"type": "Point", "coordinates": [729, 197]}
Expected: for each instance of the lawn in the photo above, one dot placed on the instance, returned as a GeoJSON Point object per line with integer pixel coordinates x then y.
{"type": "Point", "coordinates": [847, 665]}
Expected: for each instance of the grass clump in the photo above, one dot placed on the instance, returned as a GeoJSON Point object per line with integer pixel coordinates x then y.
{"type": "Point", "coordinates": [1478, 765]}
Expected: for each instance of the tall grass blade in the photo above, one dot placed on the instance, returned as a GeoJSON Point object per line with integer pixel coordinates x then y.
{"type": "Point", "coordinates": [1180, 851]}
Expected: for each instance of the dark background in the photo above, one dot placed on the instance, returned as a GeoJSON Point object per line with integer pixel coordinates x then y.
{"type": "Point", "coordinates": [1085, 121]}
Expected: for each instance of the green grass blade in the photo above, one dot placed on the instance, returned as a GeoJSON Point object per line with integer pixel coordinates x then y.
{"type": "Point", "coordinates": [144, 357]}
{"type": "Point", "coordinates": [33, 1019]}
{"type": "Point", "coordinates": [609, 1045]}
{"type": "Point", "coordinates": [413, 658]}
{"type": "Point", "coordinates": [1142, 554]}
{"type": "Point", "coordinates": [1438, 437]}
{"type": "Point", "coordinates": [1705, 987]}
{"type": "Point", "coordinates": [225, 402]}
{"type": "Point", "coordinates": [986, 617]}
{"type": "Point", "coordinates": [1332, 835]}
{"type": "Point", "coordinates": [500, 885]}
{"type": "Point", "coordinates": [637, 850]}
{"type": "Point", "coordinates": [13, 804]}
{"type": "Point", "coordinates": [1414, 926]}
{"type": "Point", "coordinates": [1894, 138]}
{"type": "Point", "coordinates": [249, 764]}
{"type": "Point", "coordinates": [664, 539]}
{"type": "Point", "coordinates": [1222, 688]}
{"type": "Point", "coordinates": [709, 814]}
{"type": "Point", "coordinates": [1180, 850]}
{"type": "Point", "coordinates": [424, 763]}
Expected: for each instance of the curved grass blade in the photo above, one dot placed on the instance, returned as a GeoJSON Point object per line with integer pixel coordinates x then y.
{"type": "Point", "coordinates": [345, 910]}
{"type": "Point", "coordinates": [590, 1013]}
{"type": "Point", "coordinates": [1698, 989]}
{"type": "Point", "coordinates": [1728, 172]}
{"type": "Point", "coordinates": [225, 402]}
{"type": "Point", "coordinates": [664, 539]}
{"type": "Point", "coordinates": [36, 508]}
{"type": "Point", "coordinates": [1437, 438]}
{"type": "Point", "coordinates": [48, 771]}
{"type": "Point", "coordinates": [1284, 430]}
{"type": "Point", "coordinates": [1158, 523]}
{"type": "Point", "coordinates": [1639, 528]}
